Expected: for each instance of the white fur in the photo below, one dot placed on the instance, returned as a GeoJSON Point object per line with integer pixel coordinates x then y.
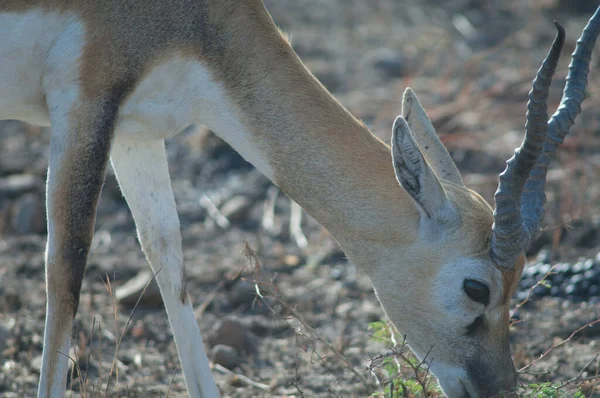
{"type": "Point", "coordinates": [60, 83]}
{"type": "Point", "coordinates": [27, 40]}
{"type": "Point", "coordinates": [448, 288]}
{"type": "Point", "coordinates": [143, 175]}
{"type": "Point", "coordinates": [181, 92]}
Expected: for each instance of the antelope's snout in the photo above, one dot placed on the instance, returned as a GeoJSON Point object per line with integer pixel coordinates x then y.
{"type": "Point", "coordinates": [478, 379]}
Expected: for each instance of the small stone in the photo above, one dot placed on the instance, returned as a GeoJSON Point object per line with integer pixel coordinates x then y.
{"type": "Point", "coordinates": [544, 268]}
{"type": "Point", "coordinates": [225, 356]}
{"type": "Point", "coordinates": [16, 185]}
{"type": "Point", "coordinates": [129, 293]}
{"type": "Point", "coordinates": [563, 268]}
{"type": "Point", "coordinates": [29, 215]}
{"type": "Point", "coordinates": [291, 261]}
{"type": "Point", "coordinates": [588, 264]}
{"type": "Point", "coordinates": [544, 256]}
{"type": "Point", "coordinates": [237, 208]}
{"type": "Point", "coordinates": [36, 364]}
{"type": "Point", "coordinates": [243, 292]}
{"type": "Point", "coordinates": [4, 335]}
{"type": "Point", "coordinates": [232, 332]}
{"type": "Point", "coordinates": [577, 267]}
{"type": "Point", "coordinates": [389, 63]}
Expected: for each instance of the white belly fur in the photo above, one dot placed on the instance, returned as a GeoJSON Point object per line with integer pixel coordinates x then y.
{"type": "Point", "coordinates": [178, 93]}
{"type": "Point", "coordinates": [27, 39]}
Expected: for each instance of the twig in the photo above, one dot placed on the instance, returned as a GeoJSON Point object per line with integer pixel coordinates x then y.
{"type": "Point", "coordinates": [296, 225]}
{"type": "Point", "coordinates": [242, 378]}
{"type": "Point", "coordinates": [532, 288]}
{"type": "Point", "coordinates": [209, 298]}
{"type": "Point", "coordinates": [114, 364]}
{"type": "Point", "coordinates": [268, 219]}
{"type": "Point", "coordinates": [213, 211]}
{"type": "Point", "coordinates": [556, 345]}
{"type": "Point", "coordinates": [312, 331]}
{"type": "Point", "coordinates": [76, 367]}
{"type": "Point", "coordinates": [170, 383]}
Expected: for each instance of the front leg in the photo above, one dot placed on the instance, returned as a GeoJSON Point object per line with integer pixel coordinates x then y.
{"type": "Point", "coordinates": [143, 175]}
{"type": "Point", "coordinates": [81, 136]}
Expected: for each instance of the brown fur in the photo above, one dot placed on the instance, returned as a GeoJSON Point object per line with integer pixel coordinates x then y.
{"type": "Point", "coordinates": [237, 40]}
{"type": "Point", "coordinates": [336, 169]}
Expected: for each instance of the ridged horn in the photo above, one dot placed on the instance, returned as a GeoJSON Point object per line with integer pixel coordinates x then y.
{"type": "Point", "coordinates": [509, 233]}
{"type": "Point", "coordinates": [520, 197]}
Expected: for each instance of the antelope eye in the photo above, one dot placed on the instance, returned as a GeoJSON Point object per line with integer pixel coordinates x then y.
{"type": "Point", "coordinates": [477, 291]}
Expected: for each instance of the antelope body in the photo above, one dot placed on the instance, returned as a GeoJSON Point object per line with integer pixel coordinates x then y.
{"type": "Point", "coordinates": [115, 78]}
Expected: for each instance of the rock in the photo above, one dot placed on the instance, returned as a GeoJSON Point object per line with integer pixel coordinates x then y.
{"type": "Point", "coordinates": [129, 293]}
{"type": "Point", "coordinates": [36, 364]}
{"type": "Point", "coordinates": [16, 185]}
{"type": "Point", "coordinates": [389, 63]}
{"type": "Point", "coordinates": [237, 208]}
{"type": "Point", "coordinates": [4, 335]}
{"type": "Point", "coordinates": [242, 293]}
{"type": "Point", "coordinates": [29, 215]}
{"type": "Point", "coordinates": [225, 356]}
{"type": "Point", "coordinates": [232, 332]}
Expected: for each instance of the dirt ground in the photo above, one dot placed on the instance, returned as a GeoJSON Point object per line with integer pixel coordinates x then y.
{"type": "Point", "coordinates": [471, 63]}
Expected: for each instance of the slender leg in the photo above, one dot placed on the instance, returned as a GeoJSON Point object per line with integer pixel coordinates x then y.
{"type": "Point", "coordinates": [143, 175]}
{"type": "Point", "coordinates": [79, 150]}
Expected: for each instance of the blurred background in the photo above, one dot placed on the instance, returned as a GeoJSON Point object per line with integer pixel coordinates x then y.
{"type": "Point", "coordinates": [471, 63]}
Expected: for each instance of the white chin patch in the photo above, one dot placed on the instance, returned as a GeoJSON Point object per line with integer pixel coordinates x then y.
{"type": "Point", "coordinates": [450, 379]}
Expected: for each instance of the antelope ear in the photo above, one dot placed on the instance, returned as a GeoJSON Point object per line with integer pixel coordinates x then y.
{"type": "Point", "coordinates": [432, 148]}
{"type": "Point", "coordinates": [415, 175]}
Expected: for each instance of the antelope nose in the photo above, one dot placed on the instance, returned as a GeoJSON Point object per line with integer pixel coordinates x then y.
{"type": "Point", "coordinates": [485, 381]}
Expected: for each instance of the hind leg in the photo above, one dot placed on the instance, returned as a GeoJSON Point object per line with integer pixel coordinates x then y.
{"type": "Point", "coordinates": [79, 150]}
{"type": "Point", "coordinates": [142, 172]}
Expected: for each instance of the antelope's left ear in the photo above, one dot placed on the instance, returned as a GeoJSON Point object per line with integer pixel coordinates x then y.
{"type": "Point", "coordinates": [424, 133]}
{"type": "Point", "coordinates": [415, 175]}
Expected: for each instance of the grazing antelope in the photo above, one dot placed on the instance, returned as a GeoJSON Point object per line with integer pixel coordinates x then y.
{"type": "Point", "coordinates": [115, 78]}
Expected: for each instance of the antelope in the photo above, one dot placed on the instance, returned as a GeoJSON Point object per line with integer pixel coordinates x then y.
{"type": "Point", "coordinates": [114, 78]}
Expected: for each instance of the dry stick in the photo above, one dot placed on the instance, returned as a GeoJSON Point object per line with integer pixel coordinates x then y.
{"type": "Point", "coordinates": [209, 299]}
{"type": "Point", "coordinates": [255, 264]}
{"type": "Point", "coordinates": [556, 345]}
{"type": "Point", "coordinates": [297, 379]}
{"type": "Point", "coordinates": [242, 378]}
{"type": "Point", "coordinates": [268, 219]}
{"type": "Point", "coordinates": [74, 363]}
{"type": "Point", "coordinates": [213, 211]}
{"type": "Point", "coordinates": [423, 382]}
{"type": "Point", "coordinates": [311, 330]}
{"type": "Point", "coordinates": [170, 383]}
{"type": "Point", "coordinates": [113, 299]}
{"type": "Point", "coordinates": [114, 364]}
{"type": "Point", "coordinates": [530, 292]}
{"type": "Point", "coordinates": [85, 377]}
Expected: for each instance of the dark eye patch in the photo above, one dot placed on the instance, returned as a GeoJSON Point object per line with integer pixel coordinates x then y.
{"type": "Point", "coordinates": [477, 291]}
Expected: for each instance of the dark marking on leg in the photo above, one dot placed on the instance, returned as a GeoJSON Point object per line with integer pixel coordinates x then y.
{"type": "Point", "coordinates": [184, 292]}
{"type": "Point", "coordinates": [82, 178]}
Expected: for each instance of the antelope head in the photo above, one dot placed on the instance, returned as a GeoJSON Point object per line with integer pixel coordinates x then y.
{"type": "Point", "coordinates": [452, 292]}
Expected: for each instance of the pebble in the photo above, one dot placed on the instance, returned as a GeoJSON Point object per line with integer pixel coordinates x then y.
{"type": "Point", "coordinates": [225, 356]}
{"type": "Point", "coordinates": [29, 215]}
{"type": "Point", "coordinates": [16, 185]}
{"type": "Point", "coordinates": [578, 282]}
{"type": "Point", "coordinates": [232, 332]}
{"type": "Point", "coordinates": [4, 336]}
{"type": "Point", "coordinates": [236, 209]}
{"type": "Point", "coordinates": [389, 63]}
{"type": "Point", "coordinates": [129, 293]}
